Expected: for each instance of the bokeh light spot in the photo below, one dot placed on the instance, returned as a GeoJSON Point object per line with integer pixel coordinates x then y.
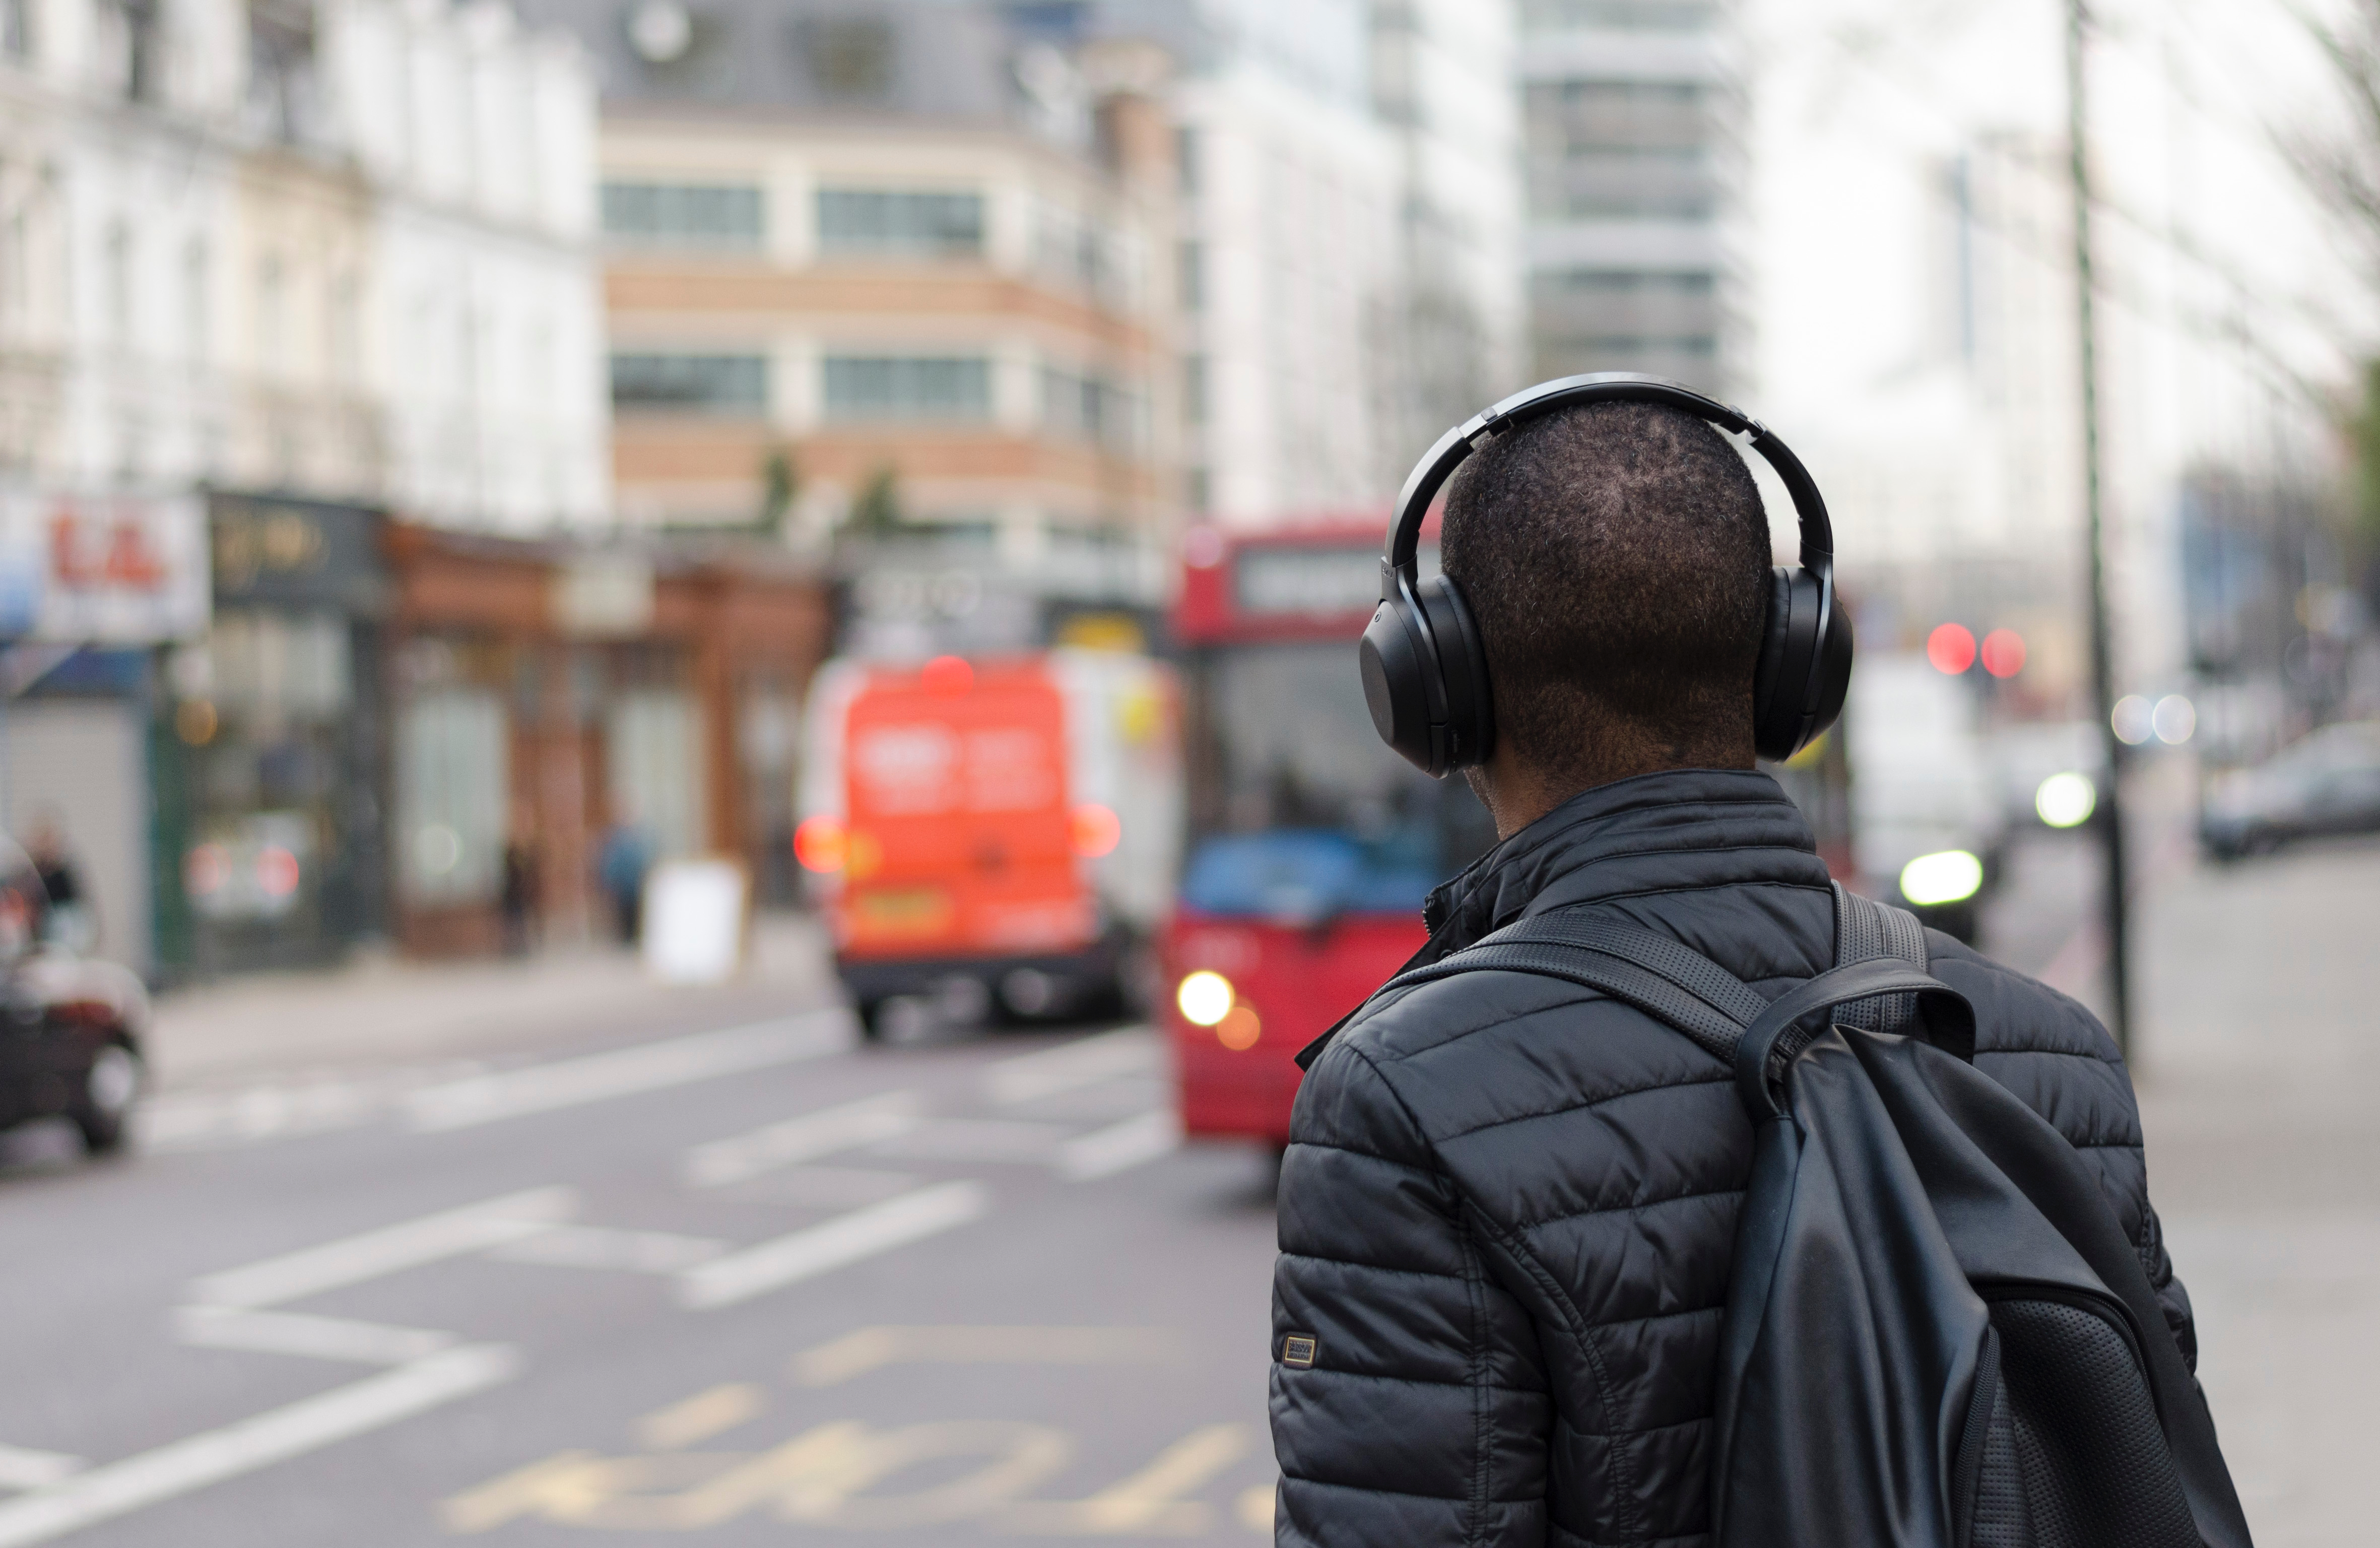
{"type": "Point", "coordinates": [1952, 647]}
{"type": "Point", "coordinates": [2003, 653]}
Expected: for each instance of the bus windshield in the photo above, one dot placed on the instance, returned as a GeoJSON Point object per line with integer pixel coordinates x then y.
{"type": "Point", "coordinates": [1296, 811]}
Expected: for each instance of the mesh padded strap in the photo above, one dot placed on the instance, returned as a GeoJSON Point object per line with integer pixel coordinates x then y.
{"type": "Point", "coordinates": [1864, 931]}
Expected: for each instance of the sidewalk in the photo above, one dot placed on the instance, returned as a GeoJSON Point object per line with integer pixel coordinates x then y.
{"type": "Point", "coordinates": [2258, 1084]}
{"type": "Point", "coordinates": [386, 1011]}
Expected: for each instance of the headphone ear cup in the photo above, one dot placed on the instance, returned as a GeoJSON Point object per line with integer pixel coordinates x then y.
{"type": "Point", "coordinates": [1462, 666]}
{"type": "Point", "coordinates": [1769, 726]}
{"type": "Point", "coordinates": [1391, 664]}
{"type": "Point", "coordinates": [1789, 709]}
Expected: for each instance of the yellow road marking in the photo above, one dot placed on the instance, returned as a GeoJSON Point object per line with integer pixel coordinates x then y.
{"type": "Point", "coordinates": [697, 1418]}
{"type": "Point", "coordinates": [1149, 1502]}
{"type": "Point", "coordinates": [523, 1492]}
{"type": "Point", "coordinates": [819, 1478]}
{"type": "Point", "coordinates": [855, 1354]}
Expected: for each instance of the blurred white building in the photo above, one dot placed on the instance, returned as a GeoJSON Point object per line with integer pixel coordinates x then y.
{"type": "Point", "coordinates": [335, 247]}
{"type": "Point", "coordinates": [1442, 84]}
{"type": "Point", "coordinates": [1290, 259]}
{"type": "Point", "coordinates": [1633, 119]}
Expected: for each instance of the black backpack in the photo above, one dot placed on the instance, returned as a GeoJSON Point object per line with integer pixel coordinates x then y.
{"type": "Point", "coordinates": [1937, 1334]}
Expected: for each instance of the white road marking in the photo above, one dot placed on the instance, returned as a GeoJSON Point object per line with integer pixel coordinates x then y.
{"type": "Point", "coordinates": [309, 1424]}
{"type": "Point", "coordinates": [1125, 1050]}
{"type": "Point", "coordinates": [814, 1250]}
{"type": "Point", "coordinates": [1119, 1147]}
{"type": "Point", "coordinates": [297, 1333]}
{"type": "Point", "coordinates": [651, 1066]}
{"type": "Point", "coordinates": [23, 1468]}
{"type": "Point", "coordinates": [803, 1139]}
{"type": "Point", "coordinates": [975, 1139]}
{"type": "Point", "coordinates": [598, 1246]}
{"type": "Point", "coordinates": [866, 1349]}
{"type": "Point", "coordinates": [449, 1234]}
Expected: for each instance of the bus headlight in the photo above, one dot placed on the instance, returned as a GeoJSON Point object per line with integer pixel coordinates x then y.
{"type": "Point", "coordinates": [2066, 800]}
{"type": "Point", "coordinates": [1204, 997]}
{"type": "Point", "coordinates": [1951, 876]}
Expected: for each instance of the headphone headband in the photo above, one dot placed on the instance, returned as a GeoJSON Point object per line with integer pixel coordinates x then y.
{"type": "Point", "coordinates": [1402, 552]}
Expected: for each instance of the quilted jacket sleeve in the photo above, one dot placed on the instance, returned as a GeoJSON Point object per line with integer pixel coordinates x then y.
{"type": "Point", "coordinates": [1418, 1412]}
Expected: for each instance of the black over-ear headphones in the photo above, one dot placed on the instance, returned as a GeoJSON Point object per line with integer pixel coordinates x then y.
{"type": "Point", "coordinates": [1425, 668]}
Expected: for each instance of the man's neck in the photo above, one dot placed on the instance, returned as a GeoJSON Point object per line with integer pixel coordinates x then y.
{"type": "Point", "coordinates": [1517, 792]}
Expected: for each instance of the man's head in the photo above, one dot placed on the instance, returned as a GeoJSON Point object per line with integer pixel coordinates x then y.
{"type": "Point", "coordinates": [1616, 557]}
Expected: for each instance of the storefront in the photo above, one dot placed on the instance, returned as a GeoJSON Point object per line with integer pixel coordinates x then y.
{"type": "Point", "coordinates": [273, 777]}
{"type": "Point", "coordinates": [90, 586]}
{"type": "Point", "coordinates": [544, 694]}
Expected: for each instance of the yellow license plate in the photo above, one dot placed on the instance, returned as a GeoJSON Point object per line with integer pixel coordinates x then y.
{"type": "Point", "coordinates": [903, 909]}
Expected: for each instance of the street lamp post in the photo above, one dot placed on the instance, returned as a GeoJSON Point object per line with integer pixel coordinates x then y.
{"type": "Point", "coordinates": [2103, 671]}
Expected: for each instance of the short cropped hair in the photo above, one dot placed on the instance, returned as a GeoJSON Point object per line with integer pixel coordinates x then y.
{"type": "Point", "coordinates": [1616, 557]}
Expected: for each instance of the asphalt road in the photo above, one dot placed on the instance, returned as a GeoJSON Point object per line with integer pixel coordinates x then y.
{"type": "Point", "coordinates": [733, 1278]}
{"type": "Point", "coordinates": [732, 1284]}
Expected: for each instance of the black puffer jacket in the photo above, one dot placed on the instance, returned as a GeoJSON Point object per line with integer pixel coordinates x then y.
{"type": "Point", "coordinates": [1508, 1208]}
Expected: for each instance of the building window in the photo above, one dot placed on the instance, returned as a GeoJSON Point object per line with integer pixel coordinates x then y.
{"type": "Point", "coordinates": [849, 57]}
{"type": "Point", "coordinates": [197, 340]}
{"type": "Point", "coordinates": [1194, 389]}
{"type": "Point", "coordinates": [1622, 16]}
{"type": "Point", "coordinates": [141, 39]}
{"type": "Point", "coordinates": [119, 285]}
{"type": "Point", "coordinates": [1187, 149]}
{"type": "Point", "coordinates": [877, 220]}
{"type": "Point", "coordinates": [1632, 282]}
{"type": "Point", "coordinates": [452, 778]}
{"type": "Point", "coordinates": [272, 325]}
{"type": "Point", "coordinates": [907, 387]}
{"type": "Point", "coordinates": [1588, 117]}
{"type": "Point", "coordinates": [1192, 264]}
{"type": "Point", "coordinates": [700, 384]}
{"type": "Point", "coordinates": [17, 29]}
{"type": "Point", "coordinates": [1088, 408]}
{"type": "Point", "coordinates": [676, 215]}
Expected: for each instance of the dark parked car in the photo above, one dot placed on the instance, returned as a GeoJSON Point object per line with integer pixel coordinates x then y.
{"type": "Point", "coordinates": [71, 1028]}
{"type": "Point", "coordinates": [2326, 783]}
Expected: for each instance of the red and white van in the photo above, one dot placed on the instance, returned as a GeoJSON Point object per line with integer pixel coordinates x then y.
{"type": "Point", "coordinates": [1001, 831]}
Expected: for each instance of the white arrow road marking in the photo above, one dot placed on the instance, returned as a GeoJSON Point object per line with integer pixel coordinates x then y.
{"type": "Point", "coordinates": [1121, 1146]}
{"type": "Point", "coordinates": [601, 1247]}
{"type": "Point", "coordinates": [865, 1350]}
{"type": "Point", "coordinates": [812, 1135]}
{"type": "Point", "coordinates": [975, 1139]}
{"type": "Point", "coordinates": [814, 1250]}
{"type": "Point", "coordinates": [651, 1066]}
{"type": "Point", "coordinates": [448, 1234]}
{"type": "Point", "coordinates": [276, 1435]}
{"type": "Point", "coordinates": [23, 1468]}
{"type": "Point", "coordinates": [297, 1333]}
{"type": "Point", "coordinates": [1069, 1067]}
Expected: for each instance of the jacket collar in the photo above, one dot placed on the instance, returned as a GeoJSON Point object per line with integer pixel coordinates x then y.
{"type": "Point", "coordinates": [1677, 830]}
{"type": "Point", "coordinates": [1651, 832]}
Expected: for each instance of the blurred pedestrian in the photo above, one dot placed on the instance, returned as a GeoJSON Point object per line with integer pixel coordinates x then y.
{"type": "Point", "coordinates": [69, 922]}
{"type": "Point", "coordinates": [519, 894]}
{"type": "Point", "coordinates": [627, 856]}
{"type": "Point", "coordinates": [1509, 1207]}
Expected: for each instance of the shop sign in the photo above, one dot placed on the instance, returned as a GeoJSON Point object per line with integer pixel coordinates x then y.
{"type": "Point", "coordinates": [602, 596]}
{"type": "Point", "coordinates": [297, 553]}
{"type": "Point", "coordinates": [102, 569]}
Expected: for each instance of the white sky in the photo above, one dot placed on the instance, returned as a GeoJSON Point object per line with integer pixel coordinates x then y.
{"type": "Point", "coordinates": [1856, 99]}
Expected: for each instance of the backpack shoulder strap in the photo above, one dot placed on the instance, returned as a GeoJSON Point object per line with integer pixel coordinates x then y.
{"type": "Point", "coordinates": [1661, 977]}
{"type": "Point", "coordinates": [1864, 932]}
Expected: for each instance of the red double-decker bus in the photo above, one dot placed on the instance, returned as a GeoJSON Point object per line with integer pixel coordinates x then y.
{"type": "Point", "coordinates": [1312, 847]}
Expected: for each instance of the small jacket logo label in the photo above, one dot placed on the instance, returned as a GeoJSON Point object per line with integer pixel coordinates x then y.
{"type": "Point", "coordinates": [1299, 1349]}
